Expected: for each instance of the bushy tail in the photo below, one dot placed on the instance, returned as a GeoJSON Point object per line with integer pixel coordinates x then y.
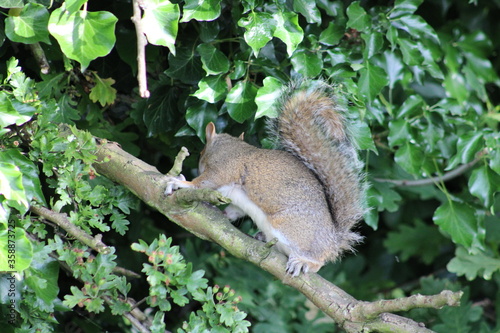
{"type": "Point", "coordinates": [312, 127]}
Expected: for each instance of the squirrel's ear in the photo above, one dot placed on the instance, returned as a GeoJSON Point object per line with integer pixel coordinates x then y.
{"type": "Point", "coordinates": [242, 136]}
{"type": "Point", "coordinates": [210, 132]}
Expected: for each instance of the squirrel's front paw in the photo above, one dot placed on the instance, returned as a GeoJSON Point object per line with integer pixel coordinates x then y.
{"type": "Point", "coordinates": [174, 183]}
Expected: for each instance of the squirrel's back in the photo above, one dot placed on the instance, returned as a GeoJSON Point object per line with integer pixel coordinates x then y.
{"type": "Point", "coordinates": [311, 125]}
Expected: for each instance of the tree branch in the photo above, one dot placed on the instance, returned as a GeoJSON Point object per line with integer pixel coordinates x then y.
{"type": "Point", "coordinates": [209, 223]}
{"type": "Point", "coordinates": [63, 222]}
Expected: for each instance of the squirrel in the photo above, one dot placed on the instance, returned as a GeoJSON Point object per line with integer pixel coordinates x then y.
{"type": "Point", "coordinates": [308, 193]}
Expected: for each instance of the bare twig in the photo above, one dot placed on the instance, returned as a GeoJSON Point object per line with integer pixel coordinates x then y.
{"type": "Point", "coordinates": [40, 57]}
{"type": "Point", "coordinates": [141, 50]}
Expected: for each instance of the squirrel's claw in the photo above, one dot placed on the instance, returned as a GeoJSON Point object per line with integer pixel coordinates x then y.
{"type": "Point", "coordinates": [174, 183]}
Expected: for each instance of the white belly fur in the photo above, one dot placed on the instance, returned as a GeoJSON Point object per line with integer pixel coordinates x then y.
{"type": "Point", "coordinates": [240, 199]}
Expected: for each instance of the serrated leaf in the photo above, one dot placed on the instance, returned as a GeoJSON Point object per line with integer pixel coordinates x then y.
{"type": "Point", "coordinates": [267, 96]}
{"type": "Point", "coordinates": [383, 197]}
{"type": "Point", "coordinates": [459, 221]}
{"type": "Point", "coordinates": [484, 183]}
{"type": "Point", "coordinates": [422, 241]}
{"type": "Point", "coordinates": [160, 23]}
{"type": "Point", "coordinates": [201, 10]}
{"type": "Point", "coordinates": [83, 36]}
{"type": "Point", "coordinates": [103, 92]}
{"type": "Point", "coordinates": [473, 265]}
{"type": "Point", "coordinates": [213, 60]}
{"type": "Point", "coordinates": [240, 101]}
{"type": "Point", "coordinates": [288, 30]}
{"type": "Point", "coordinates": [259, 29]}
{"type": "Point", "coordinates": [309, 64]}
{"type": "Point", "coordinates": [358, 18]}
{"type": "Point", "coordinates": [30, 26]}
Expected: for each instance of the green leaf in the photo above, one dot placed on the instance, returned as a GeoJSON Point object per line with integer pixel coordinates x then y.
{"type": "Point", "coordinates": [374, 42]}
{"type": "Point", "coordinates": [240, 101]}
{"type": "Point", "coordinates": [16, 251]}
{"type": "Point", "coordinates": [458, 220]}
{"type": "Point", "coordinates": [212, 89]}
{"type": "Point", "coordinates": [412, 106]}
{"type": "Point", "coordinates": [83, 36]}
{"type": "Point", "coordinates": [185, 66]}
{"type": "Point", "coordinates": [8, 114]}
{"type": "Point", "coordinates": [160, 23]}
{"type": "Point", "coordinates": [199, 114]}
{"type": "Point", "coordinates": [30, 176]}
{"type": "Point", "coordinates": [308, 9]}
{"type": "Point", "coordinates": [74, 5]}
{"type": "Point", "coordinates": [410, 158]}
{"type": "Point", "coordinates": [412, 54]}
{"type": "Point", "coordinates": [12, 188]}
{"type": "Point", "coordinates": [47, 271]}
{"type": "Point", "coordinates": [259, 29]}
{"type": "Point", "coordinates": [307, 63]}
{"type": "Point", "coordinates": [213, 60]}
{"type": "Point", "coordinates": [484, 183]}
{"type": "Point", "coordinates": [473, 265]}
{"type": "Point", "coordinates": [361, 134]}
{"type": "Point", "coordinates": [371, 81]}
{"type": "Point", "coordinates": [420, 241]}
{"type": "Point", "coordinates": [399, 132]}
{"type": "Point", "coordinates": [416, 27]}
{"type": "Point", "coordinates": [467, 146]}
{"type": "Point", "coordinates": [201, 10]}
{"type": "Point", "coordinates": [332, 34]}
{"type": "Point", "coordinates": [288, 30]}
{"type": "Point", "coordinates": [267, 96]}
{"type": "Point", "coordinates": [30, 26]}
{"type": "Point", "coordinates": [383, 197]}
{"type": "Point", "coordinates": [358, 18]}
{"type": "Point", "coordinates": [456, 87]}
{"type": "Point", "coordinates": [404, 7]}
{"type": "Point", "coordinates": [103, 92]}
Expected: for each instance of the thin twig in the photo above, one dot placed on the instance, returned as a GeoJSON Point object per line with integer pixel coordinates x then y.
{"type": "Point", "coordinates": [141, 50]}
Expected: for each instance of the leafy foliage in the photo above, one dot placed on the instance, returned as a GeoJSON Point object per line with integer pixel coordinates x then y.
{"type": "Point", "coordinates": [420, 83]}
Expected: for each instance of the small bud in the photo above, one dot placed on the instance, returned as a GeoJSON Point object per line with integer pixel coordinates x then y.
{"type": "Point", "coordinates": [226, 289]}
{"type": "Point", "coordinates": [218, 296]}
{"type": "Point", "coordinates": [216, 288]}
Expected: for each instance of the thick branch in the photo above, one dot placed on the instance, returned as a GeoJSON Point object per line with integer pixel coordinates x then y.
{"type": "Point", "coordinates": [209, 223]}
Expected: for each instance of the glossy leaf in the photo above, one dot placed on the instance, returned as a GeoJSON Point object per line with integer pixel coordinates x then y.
{"type": "Point", "coordinates": [240, 101]}
{"type": "Point", "coordinates": [160, 23]}
{"type": "Point", "coordinates": [83, 36]}
{"type": "Point", "coordinates": [267, 97]}
{"type": "Point", "coordinates": [308, 9]}
{"type": "Point", "coordinates": [30, 26]}
{"type": "Point", "coordinates": [288, 30]}
{"type": "Point", "coordinates": [410, 158]}
{"type": "Point", "coordinates": [213, 60]}
{"type": "Point", "coordinates": [358, 18]}
{"type": "Point", "coordinates": [212, 89]}
{"type": "Point", "coordinates": [307, 63]}
{"type": "Point", "coordinates": [259, 29]}
{"type": "Point", "coordinates": [199, 114]}
{"type": "Point", "coordinates": [16, 251]}
{"type": "Point", "coordinates": [484, 183]}
{"type": "Point", "coordinates": [201, 10]}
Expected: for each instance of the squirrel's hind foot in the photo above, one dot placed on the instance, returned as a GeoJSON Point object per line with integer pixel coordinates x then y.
{"type": "Point", "coordinates": [296, 265]}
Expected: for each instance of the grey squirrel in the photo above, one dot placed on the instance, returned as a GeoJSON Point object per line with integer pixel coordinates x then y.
{"type": "Point", "coordinates": [308, 193]}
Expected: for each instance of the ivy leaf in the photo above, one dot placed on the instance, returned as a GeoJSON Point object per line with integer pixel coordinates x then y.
{"type": "Point", "coordinates": [23, 250]}
{"type": "Point", "coordinates": [411, 50]}
{"type": "Point", "coordinates": [160, 23]}
{"type": "Point", "coordinates": [361, 135]}
{"type": "Point", "coordinates": [259, 27]}
{"type": "Point", "coordinates": [240, 101]}
{"type": "Point", "coordinates": [473, 265]}
{"type": "Point", "coordinates": [83, 36]}
{"type": "Point", "coordinates": [404, 7]}
{"type": "Point", "coordinates": [213, 60]}
{"type": "Point", "coordinates": [103, 92]}
{"type": "Point", "coordinates": [199, 114]}
{"type": "Point", "coordinates": [47, 271]}
{"type": "Point", "coordinates": [371, 81]}
{"type": "Point", "coordinates": [484, 183]}
{"type": "Point", "coordinates": [288, 30]}
{"type": "Point", "coordinates": [332, 34]}
{"type": "Point", "coordinates": [308, 9]}
{"type": "Point", "coordinates": [307, 63]}
{"type": "Point", "coordinates": [212, 89]}
{"type": "Point", "coordinates": [30, 26]}
{"type": "Point", "coordinates": [201, 10]}
{"type": "Point", "coordinates": [416, 26]}
{"type": "Point", "coordinates": [267, 96]}
{"type": "Point", "coordinates": [358, 18]}
{"type": "Point", "coordinates": [8, 114]}
{"type": "Point", "coordinates": [455, 85]}
{"type": "Point", "coordinates": [410, 158]}
{"type": "Point", "coordinates": [185, 66]}
{"type": "Point", "coordinates": [467, 146]}
{"type": "Point", "coordinates": [458, 220]}
{"type": "Point", "coordinates": [384, 197]}
{"type": "Point", "coordinates": [399, 132]}
{"type": "Point", "coordinates": [12, 188]}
